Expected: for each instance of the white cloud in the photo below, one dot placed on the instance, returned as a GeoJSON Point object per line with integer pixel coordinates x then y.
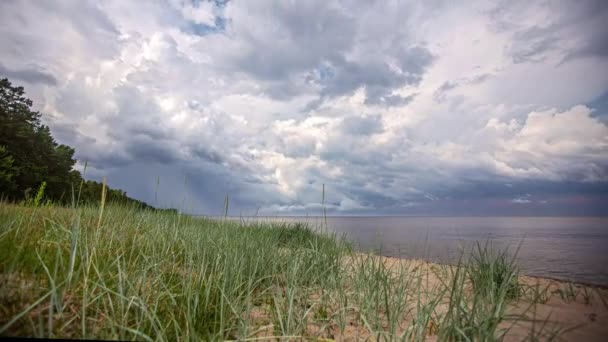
{"type": "Point", "coordinates": [558, 145]}
{"type": "Point", "coordinates": [524, 199]}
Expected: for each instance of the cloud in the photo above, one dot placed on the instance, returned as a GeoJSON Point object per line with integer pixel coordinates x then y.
{"type": "Point", "coordinates": [362, 125]}
{"type": "Point", "coordinates": [199, 12]}
{"type": "Point", "coordinates": [322, 39]}
{"type": "Point", "coordinates": [33, 75]}
{"type": "Point", "coordinates": [569, 30]}
{"type": "Point", "coordinates": [524, 199]}
{"type": "Point", "coordinates": [378, 79]}
{"type": "Point", "coordinates": [555, 145]}
{"type": "Point", "coordinates": [397, 107]}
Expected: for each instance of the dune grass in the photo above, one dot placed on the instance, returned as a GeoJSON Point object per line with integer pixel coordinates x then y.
{"type": "Point", "coordinates": [132, 274]}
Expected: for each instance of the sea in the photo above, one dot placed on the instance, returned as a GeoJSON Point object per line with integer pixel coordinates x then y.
{"type": "Point", "coordinates": [566, 248]}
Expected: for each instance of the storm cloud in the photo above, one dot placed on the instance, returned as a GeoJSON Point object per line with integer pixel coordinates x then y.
{"type": "Point", "coordinates": [483, 108]}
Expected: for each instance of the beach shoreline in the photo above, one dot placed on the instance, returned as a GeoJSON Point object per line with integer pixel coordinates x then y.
{"type": "Point", "coordinates": [78, 274]}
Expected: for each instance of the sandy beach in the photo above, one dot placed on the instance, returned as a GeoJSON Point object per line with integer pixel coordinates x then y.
{"type": "Point", "coordinates": [579, 311]}
{"type": "Point", "coordinates": [562, 311]}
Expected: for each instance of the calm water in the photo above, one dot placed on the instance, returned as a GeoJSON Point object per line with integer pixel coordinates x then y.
{"type": "Point", "coordinates": [573, 248]}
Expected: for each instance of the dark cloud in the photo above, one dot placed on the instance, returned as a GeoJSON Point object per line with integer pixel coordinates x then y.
{"type": "Point", "coordinates": [596, 44]}
{"type": "Point", "coordinates": [348, 153]}
{"type": "Point", "coordinates": [138, 114]}
{"type": "Point", "coordinates": [144, 149]}
{"type": "Point", "coordinates": [379, 79]}
{"type": "Point", "coordinates": [306, 34]}
{"type": "Point", "coordinates": [489, 198]}
{"type": "Point", "coordinates": [507, 189]}
{"type": "Point", "coordinates": [315, 40]}
{"type": "Point", "coordinates": [440, 93]}
{"type": "Point", "coordinates": [592, 15]}
{"type": "Point", "coordinates": [414, 60]}
{"type": "Point", "coordinates": [531, 45]}
{"type": "Point", "coordinates": [581, 205]}
{"type": "Point", "coordinates": [484, 199]}
{"type": "Point", "coordinates": [365, 125]}
{"type": "Point", "coordinates": [208, 155]}
{"type": "Point", "coordinates": [31, 75]}
{"type": "Point", "coordinates": [373, 199]}
{"type": "Point", "coordinates": [576, 28]}
{"type": "Point", "coordinates": [105, 160]}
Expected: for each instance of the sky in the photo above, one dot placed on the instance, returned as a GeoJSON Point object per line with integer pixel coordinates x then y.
{"type": "Point", "coordinates": [398, 107]}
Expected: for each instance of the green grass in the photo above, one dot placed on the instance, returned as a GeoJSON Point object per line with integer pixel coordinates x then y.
{"type": "Point", "coordinates": [145, 275]}
{"type": "Point", "coordinates": [493, 274]}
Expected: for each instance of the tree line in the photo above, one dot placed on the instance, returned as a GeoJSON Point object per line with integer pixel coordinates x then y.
{"type": "Point", "coordinates": [33, 164]}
